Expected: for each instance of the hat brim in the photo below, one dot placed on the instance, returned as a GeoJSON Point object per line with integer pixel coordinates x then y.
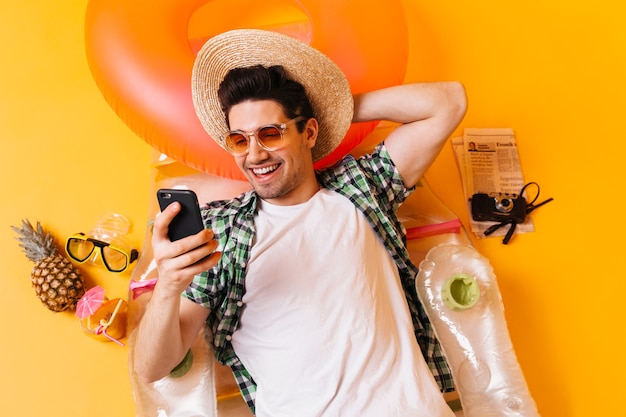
{"type": "Point", "coordinates": [326, 86]}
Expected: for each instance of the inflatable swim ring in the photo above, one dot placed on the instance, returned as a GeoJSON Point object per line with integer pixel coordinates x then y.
{"type": "Point", "coordinates": [141, 54]}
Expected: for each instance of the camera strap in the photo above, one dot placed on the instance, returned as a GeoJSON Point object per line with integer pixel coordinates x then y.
{"type": "Point", "coordinates": [509, 233]}
{"type": "Point", "coordinates": [530, 207]}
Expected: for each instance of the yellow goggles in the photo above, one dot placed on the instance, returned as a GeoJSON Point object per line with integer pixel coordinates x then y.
{"type": "Point", "coordinates": [80, 247]}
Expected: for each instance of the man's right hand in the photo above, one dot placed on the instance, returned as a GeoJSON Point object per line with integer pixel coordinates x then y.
{"type": "Point", "coordinates": [178, 262]}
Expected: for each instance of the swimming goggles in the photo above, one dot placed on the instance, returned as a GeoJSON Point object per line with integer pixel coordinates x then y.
{"type": "Point", "coordinates": [80, 247]}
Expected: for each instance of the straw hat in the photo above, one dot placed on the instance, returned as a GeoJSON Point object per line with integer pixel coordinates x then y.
{"type": "Point", "coordinates": [325, 84]}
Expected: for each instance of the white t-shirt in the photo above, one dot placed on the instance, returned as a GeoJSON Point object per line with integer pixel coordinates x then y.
{"type": "Point", "coordinates": [326, 330]}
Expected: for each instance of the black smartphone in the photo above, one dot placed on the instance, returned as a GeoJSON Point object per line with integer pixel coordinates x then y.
{"type": "Point", "coordinates": [188, 221]}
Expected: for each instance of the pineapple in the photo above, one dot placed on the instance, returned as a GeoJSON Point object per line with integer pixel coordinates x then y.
{"type": "Point", "coordinates": [57, 283]}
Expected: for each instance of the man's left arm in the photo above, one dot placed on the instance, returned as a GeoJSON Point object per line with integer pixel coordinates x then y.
{"type": "Point", "coordinates": [428, 113]}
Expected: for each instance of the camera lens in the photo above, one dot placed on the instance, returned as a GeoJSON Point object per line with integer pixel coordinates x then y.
{"type": "Point", "coordinates": [504, 204]}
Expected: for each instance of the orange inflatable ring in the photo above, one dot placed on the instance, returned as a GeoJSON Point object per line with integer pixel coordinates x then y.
{"type": "Point", "coordinates": [141, 54]}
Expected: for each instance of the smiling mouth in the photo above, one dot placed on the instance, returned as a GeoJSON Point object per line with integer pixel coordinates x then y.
{"type": "Point", "coordinates": [265, 170]}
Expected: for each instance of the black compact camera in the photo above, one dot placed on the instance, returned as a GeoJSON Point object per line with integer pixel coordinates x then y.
{"type": "Point", "coordinates": [498, 207]}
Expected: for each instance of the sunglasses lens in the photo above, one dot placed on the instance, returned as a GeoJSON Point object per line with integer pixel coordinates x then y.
{"type": "Point", "coordinates": [236, 143]}
{"type": "Point", "coordinates": [270, 137]}
{"type": "Point", "coordinates": [115, 260]}
{"type": "Point", "coordinates": [79, 249]}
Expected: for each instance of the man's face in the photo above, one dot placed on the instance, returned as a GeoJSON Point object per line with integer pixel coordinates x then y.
{"type": "Point", "coordinates": [284, 176]}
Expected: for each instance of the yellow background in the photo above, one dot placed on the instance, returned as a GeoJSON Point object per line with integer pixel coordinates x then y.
{"type": "Point", "coordinates": [553, 71]}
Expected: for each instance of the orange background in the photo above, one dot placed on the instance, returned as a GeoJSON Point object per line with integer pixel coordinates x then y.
{"type": "Point", "coordinates": [552, 71]}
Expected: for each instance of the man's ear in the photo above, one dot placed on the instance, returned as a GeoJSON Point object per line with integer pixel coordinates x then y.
{"type": "Point", "coordinates": [310, 130]}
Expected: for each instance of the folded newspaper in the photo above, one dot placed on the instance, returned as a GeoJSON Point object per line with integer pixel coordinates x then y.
{"type": "Point", "coordinates": [489, 164]}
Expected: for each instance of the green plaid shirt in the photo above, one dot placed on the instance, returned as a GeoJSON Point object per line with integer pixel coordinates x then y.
{"type": "Point", "coordinates": [374, 186]}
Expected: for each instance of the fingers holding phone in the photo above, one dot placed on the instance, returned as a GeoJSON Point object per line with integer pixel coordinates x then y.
{"type": "Point", "coordinates": [162, 230]}
{"type": "Point", "coordinates": [182, 246]}
{"type": "Point", "coordinates": [188, 220]}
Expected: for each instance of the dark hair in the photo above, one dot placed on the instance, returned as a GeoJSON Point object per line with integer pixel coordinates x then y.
{"type": "Point", "coordinates": [264, 83]}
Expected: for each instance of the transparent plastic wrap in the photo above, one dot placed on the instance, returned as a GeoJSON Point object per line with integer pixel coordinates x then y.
{"type": "Point", "coordinates": [459, 291]}
{"type": "Point", "coordinates": [194, 387]}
